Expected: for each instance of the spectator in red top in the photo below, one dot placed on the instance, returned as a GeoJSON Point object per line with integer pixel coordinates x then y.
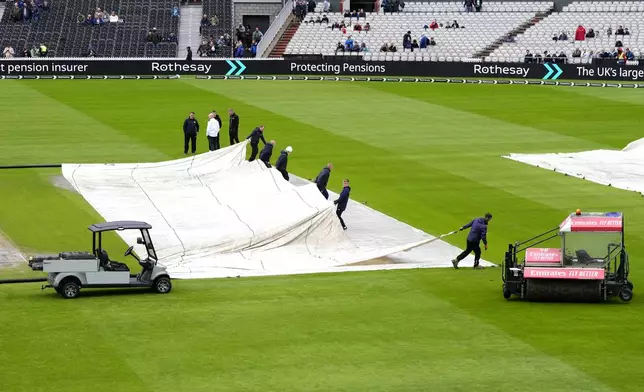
{"type": "Point", "coordinates": [433, 25]}
{"type": "Point", "coordinates": [580, 34]}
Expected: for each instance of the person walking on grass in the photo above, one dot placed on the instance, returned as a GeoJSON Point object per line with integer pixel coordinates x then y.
{"type": "Point", "coordinates": [190, 131]}
{"type": "Point", "coordinates": [322, 180]}
{"type": "Point", "coordinates": [266, 153]}
{"type": "Point", "coordinates": [342, 202]}
{"type": "Point", "coordinates": [478, 233]}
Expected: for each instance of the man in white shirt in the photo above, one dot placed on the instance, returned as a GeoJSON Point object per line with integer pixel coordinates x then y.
{"type": "Point", "coordinates": [114, 18]}
{"type": "Point", "coordinates": [212, 132]}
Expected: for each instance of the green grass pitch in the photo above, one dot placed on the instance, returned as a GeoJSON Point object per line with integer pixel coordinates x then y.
{"type": "Point", "coordinates": [427, 154]}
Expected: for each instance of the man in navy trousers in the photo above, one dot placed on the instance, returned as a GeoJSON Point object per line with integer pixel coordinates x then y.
{"type": "Point", "coordinates": [478, 233]}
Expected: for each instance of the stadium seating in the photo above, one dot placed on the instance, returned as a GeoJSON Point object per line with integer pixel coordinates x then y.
{"type": "Point", "coordinates": [478, 31]}
{"type": "Point", "coordinates": [61, 30]}
{"type": "Point", "coordinates": [596, 15]}
{"type": "Point", "coordinates": [224, 12]}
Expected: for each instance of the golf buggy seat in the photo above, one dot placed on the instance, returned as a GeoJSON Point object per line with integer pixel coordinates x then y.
{"type": "Point", "coordinates": [584, 257]}
{"type": "Point", "coordinates": [108, 265]}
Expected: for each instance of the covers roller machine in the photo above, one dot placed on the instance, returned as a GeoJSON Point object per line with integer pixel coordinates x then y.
{"type": "Point", "coordinates": [590, 265]}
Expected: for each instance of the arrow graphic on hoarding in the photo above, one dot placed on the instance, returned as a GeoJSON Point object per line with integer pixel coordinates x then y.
{"type": "Point", "coordinates": [551, 69]}
{"type": "Point", "coordinates": [242, 68]}
{"type": "Point", "coordinates": [233, 68]}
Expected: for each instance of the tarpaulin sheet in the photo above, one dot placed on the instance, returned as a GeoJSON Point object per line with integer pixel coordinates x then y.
{"type": "Point", "coordinates": [218, 215]}
{"type": "Point", "coordinates": [623, 169]}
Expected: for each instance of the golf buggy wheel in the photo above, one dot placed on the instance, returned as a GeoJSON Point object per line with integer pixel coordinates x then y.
{"type": "Point", "coordinates": [162, 285]}
{"type": "Point", "coordinates": [626, 294]}
{"type": "Point", "coordinates": [506, 292]}
{"type": "Point", "coordinates": [69, 289]}
{"type": "Point", "coordinates": [629, 285]}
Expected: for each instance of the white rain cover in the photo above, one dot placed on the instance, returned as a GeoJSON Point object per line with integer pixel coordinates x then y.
{"type": "Point", "coordinates": [218, 215]}
{"type": "Point", "coordinates": [621, 169]}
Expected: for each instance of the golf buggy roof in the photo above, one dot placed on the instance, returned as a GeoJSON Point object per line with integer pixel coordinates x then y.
{"type": "Point", "coordinates": [118, 225]}
{"type": "Point", "coordinates": [599, 222]}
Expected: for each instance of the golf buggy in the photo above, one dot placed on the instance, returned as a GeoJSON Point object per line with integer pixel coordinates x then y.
{"type": "Point", "coordinates": [68, 272]}
{"type": "Point", "coordinates": [591, 264]}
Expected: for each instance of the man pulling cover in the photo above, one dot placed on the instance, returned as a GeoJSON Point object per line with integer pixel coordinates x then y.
{"type": "Point", "coordinates": [478, 233]}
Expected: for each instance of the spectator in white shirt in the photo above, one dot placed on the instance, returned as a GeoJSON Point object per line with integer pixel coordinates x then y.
{"type": "Point", "coordinates": [212, 132]}
{"type": "Point", "coordinates": [114, 17]}
{"type": "Point", "coordinates": [8, 52]}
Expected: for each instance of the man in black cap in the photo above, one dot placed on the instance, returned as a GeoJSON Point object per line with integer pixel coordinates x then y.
{"type": "Point", "coordinates": [255, 136]}
{"type": "Point", "coordinates": [322, 180]}
{"type": "Point", "coordinates": [478, 233]}
{"type": "Point", "coordinates": [190, 130]}
{"type": "Point", "coordinates": [233, 127]}
{"type": "Point", "coordinates": [267, 152]}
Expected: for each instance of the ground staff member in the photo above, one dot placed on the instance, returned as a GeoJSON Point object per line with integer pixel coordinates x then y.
{"type": "Point", "coordinates": [282, 161]}
{"type": "Point", "coordinates": [267, 152]}
{"type": "Point", "coordinates": [322, 180]}
{"type": "Point", "coordinates": [255, 136]}
{"type": "Point", "coordinates": [478, 233]}
{"type": "Point", "coordinates": [342, 201]}
{"type": "Point", "coordinates": [212, 132]}
{"type": "Point", "coordinates": [233, 127]}
{"type": "Point", "coordinates": [190, 130]}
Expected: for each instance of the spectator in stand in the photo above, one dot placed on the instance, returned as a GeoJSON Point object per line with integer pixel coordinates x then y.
{"type": "Point", "coordinates": [205, 22]}
{"type": "Point", "coordinates": [564, 37]}
{"type": "Point", "coordinates": [626, 32]}
{"type": "Point", "coordinates": [363, 48]}
{"type": "Point", "coordinates": [576, 53]}
{"type": "Point", "coordinates": [407, 45]}
{"type": "Point", "coordinates": [362, 14]}
{"type": "Point", "coordinates": [324, 19]}
{"type": "Point", "coordinates": [609, 31]}
{"type": "Point", "coordinates": [563, 59]}
{"type": "Point", "coordinates": [546, 56]}
{"type": "Point", "coordinates": [469, 5]}
{"type": "Point", "coordinates": [629, 55]}
{"type": "Point", "coordinates": [253, 49]}
{"type": "Point", "coordinates": [555, 37]}
{"type": "Point", "coordinates": [433, 25]}
{"type": "Point", "coordinates": [455, 25]}
{"type": "Point", "coordinates": [239, 50]}
{"type": "Point", "coordinates": [620, 31]}
{"type": "Point", "coordinates": [241, 30]}
{"type": "Point", "coordinates": [349, 43]}
{"type": "Point", "coordinates": [89, 21]}
{"type": "Point", "coordinates": [580, 34]}
{"type": "Point", "coordinates": [367, 27]}
{"type": "Point", "coordinates": [202, 51]}
{"type": "Point", "coordinates": [310, 7]}
{"type": "Point", "coordinates": [392, 48]}
{"type": "Point", "coordinates": [618, 44]}
{"type": "Point", "coordinates": [154, 36]}
{"type": "Point", "coordinates": [383, 48]}
{"type": "Point", "coordinates": [175, 11]}
{"type": "Point", "coordinates": [537, 58]}
{"type": "Point", "coordinates": [414, 45]}
{"type": "Point", "coordinates": [431, 41]}
{"type": "Point", "coordinates": [16, 12]}
{"type": "Point", "coordinates": [257, 35]}
{"type": "Point", "coordinates": [248, 36]}
{"type": "Point", "coordinates": [407, 38]}
{"type": "Point", "coordinates": [326, 6]}
{"type": "Point", "coordinates": [357, 27]}
{"type": "Point", "coordinates": [528, 57]}
{"type": "Point", "coordinates": [8, 52]}
{"type": "Point", "coordinates": [424, 41]}
{"type": "Point", "coordinates": [114, 17]}
{"type": "Point", "coordinates": [590, 33]}
{"type": "Point", "coordinates": [188, 53]}
{"type": "Point", "coordinates": [340, 48]}
{"type": "Point", "coordinates": [478, 4]}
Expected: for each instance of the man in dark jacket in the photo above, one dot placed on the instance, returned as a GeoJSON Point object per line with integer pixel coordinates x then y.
{"type": "Point", "coordinates": [322, 180]}
{"type": "Point", "coordinates": [267, 152]}
{"type": "Point", "coordinates": [217, 118]}
{"type": "Point", "coordinates": [478, 233]}
{"type": "Point", "coordinates": [233, 127]}
{"type": "Point", "coordinates": [255, 136]}
{"type": "Point", "coordinates": [342, 201]}
{"type": "Point", "coordinates": [282, 161]}
{"type": "Point", "coordinates": [190, 130]}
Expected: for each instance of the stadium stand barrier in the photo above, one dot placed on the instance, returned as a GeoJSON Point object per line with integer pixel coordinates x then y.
{"type": "Point", "coordinates": [335, 67]}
